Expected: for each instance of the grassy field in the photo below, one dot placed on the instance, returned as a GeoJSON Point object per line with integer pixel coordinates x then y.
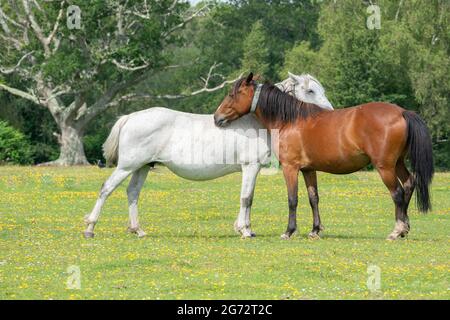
{"type": "Point", "coordinates": [192, 252]}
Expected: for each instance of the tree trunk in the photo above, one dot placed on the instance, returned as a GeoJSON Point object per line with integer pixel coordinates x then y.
{"type": "Point", "coordinates": [71, 146]}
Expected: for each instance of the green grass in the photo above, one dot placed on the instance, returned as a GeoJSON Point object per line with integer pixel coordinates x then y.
{"type": "Point", "coordinates": [192, 252]}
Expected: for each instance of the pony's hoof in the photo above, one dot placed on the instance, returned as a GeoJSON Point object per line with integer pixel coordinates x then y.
{"type": "Point", "coordinates": [247, 234]}
{"type": "Point", "coordinates": [141, 233]}
{"type": "Point", "coordinates": [285, 236]}
{"type": "Point", "coordinates": [138, 231]}
{"type": "Point", "coordinates": [404, 234]}
{"type": "Point", "coordinates": [236, 228]}
{"type": "Point", "coordinates": [392, 237]}
{"type": "Point", "coordinates": [88, 234]}
{"type": "Point", "coordinates": [313, 236]}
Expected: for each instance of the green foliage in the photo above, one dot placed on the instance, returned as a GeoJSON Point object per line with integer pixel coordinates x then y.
{"type": "Point", "coordinates": [441, 155]}
{"type": "Point", "coordinates": [93, 145]}
{"type": "Point", "coordinates": [36, 124]}
{"type": "Point", "coordinates": [256, 53]}
{"type": "Point", "coordinates": [14, 147]}
{"type": "Point", "coordinates": [300, 59]}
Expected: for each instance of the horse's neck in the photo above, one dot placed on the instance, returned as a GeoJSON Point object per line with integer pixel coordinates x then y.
{"type": "Point", "coordinates": [268, 124]}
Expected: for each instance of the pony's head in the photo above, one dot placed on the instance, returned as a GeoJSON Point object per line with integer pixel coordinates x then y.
{"type": "Point", "coordinates": [274, 104]}
{"type": "Point", "coordinates": [306, 88]}
{"type": "Point", "coordinates": [237, 103]}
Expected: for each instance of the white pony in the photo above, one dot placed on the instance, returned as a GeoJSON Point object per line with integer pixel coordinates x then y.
{"type": "Point", "coordinates": [192, 147]}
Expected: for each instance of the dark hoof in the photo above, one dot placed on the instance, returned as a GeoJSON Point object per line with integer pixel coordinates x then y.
{"type": "Point", "coordinates": [88, 235]}
{"type": "Point", "coordinates": [404, 234]}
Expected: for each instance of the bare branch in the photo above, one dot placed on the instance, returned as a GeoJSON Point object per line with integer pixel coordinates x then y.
{"type": "Point", "coordinates": [4, 18]}
{"type": "Point", "coordinates": [398, 10]}
{"type": "Point", "coordinates": [20, 93]}
{"type": "Point", "coordinates": [3, 22]}
{"type": "Point", "coordinates": [104, 101]}
{"type": "Point", "coordinates": [35, 26]}
{"type": "Point", "coordinates": [13, 69]}
{"type": "Point", "coordinates": [57, 92]}
{"type": "Point", "coordinates": [56, 25]}
{"type": "Point", "coordinates": [210, 74]}
{"type": "Point", "coordinates": [195, 14]}
{"type": "Point", "coordinates": [17, 44]}
{"type": "Point", "coordinates": [128, 67]}
{"type": "Point", "coordinates": [220, 86]}
{"type": "Point", "coordinates": [138, 96]}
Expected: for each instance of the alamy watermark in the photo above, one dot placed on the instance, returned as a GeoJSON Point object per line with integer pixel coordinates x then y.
{"type": "Point", "coordinates": [74, 278]}
{"type": "Point", "coordinates": [374, 278]}
{"type": "Point", "coordinates": [73, 15]}
{"type": "Point", "coordinates": [197, 145]}
{"type": "Point", "coordinates": [374, 19]}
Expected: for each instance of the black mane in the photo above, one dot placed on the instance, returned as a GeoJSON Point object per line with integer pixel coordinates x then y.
{"type": "Point", "coordinates": [276, 105]}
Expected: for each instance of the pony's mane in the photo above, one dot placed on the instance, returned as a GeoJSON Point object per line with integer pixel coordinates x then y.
{"type": "Point", "coordinates": [276, 105]}
{"type": "Point", "coordinates": [237, 85]}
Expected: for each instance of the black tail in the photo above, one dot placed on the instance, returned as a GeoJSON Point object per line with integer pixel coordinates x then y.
{"type": "Point", "coordinates": [421, 154]}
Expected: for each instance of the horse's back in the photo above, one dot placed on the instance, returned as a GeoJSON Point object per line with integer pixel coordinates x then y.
{"type": "Point", "coordinates": [345, 140]}
{"type": "Point", "coordinates": [374, 128]}
{"type": "Point", "coordinates": [188, 143]}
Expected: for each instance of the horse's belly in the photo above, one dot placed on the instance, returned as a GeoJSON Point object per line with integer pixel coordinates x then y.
{"type": "Point", "coordinates": [201, 171]}
{"type": "Point", "coordinates": [342, 166]}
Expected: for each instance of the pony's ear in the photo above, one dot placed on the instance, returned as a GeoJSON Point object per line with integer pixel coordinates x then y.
{"type": "Point", "coordinates": [249, 78]}
{"type": "Point", "coordinates": [293, 77]}
{"type": "Point", "coordinates": [306, 83]}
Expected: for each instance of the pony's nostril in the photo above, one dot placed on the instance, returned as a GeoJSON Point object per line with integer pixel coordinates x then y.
{"type": "Point", "coordinates": [218, 120]}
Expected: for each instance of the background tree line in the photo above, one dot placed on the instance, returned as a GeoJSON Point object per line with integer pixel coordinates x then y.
{"type": "Point", "coordinates": [131, 55]}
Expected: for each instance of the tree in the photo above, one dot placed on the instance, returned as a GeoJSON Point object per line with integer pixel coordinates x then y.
{"type": "Point", "coordinates": [256, 54]}
{"type": "Point", "coordinates": [77, 74]}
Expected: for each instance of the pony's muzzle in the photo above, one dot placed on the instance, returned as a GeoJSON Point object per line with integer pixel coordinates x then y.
{"type": "Point", "coordinates": [220, 121]}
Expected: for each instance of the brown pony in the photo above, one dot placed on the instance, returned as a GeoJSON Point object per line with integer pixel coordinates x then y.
{"type": "Point", "coordinates": [343, 141]}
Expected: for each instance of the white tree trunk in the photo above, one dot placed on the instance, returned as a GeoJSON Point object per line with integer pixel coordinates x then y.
{"type": "Point", "coordinates": [71, 146]}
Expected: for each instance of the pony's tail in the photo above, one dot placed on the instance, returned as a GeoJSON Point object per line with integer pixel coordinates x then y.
{"type": "Point", "coordinates": [111, 145]}
{"type": "Point", "coordinates": [421, 154]}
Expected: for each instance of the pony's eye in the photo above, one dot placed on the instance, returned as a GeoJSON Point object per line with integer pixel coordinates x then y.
{"type": "Point", "coordinates": [310, 91]}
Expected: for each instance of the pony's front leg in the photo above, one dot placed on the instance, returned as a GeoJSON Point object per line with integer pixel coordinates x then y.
{"type": "Point", "coordinates": [133, 191]}
{"type": "Point", "coordinates": [291, 177]}
{"type": "Point", "coordinates": [109, 186]}
{"type": "Point", "coordinates": [249, 174]}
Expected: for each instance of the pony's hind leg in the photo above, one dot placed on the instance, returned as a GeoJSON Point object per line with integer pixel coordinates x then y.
{"type": "Point", "coordinates": [242, 224]}
{"type": "Point", "coordinates": [133, 191]}
{"type": "Point", "coordinates": [310, 178]}
{"type": "Point", "coordinates": [407, 180]}
{"type": "Point", "coordinates": [107, 188]}
{"type": "Point", "coordinates": [389, 177]}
